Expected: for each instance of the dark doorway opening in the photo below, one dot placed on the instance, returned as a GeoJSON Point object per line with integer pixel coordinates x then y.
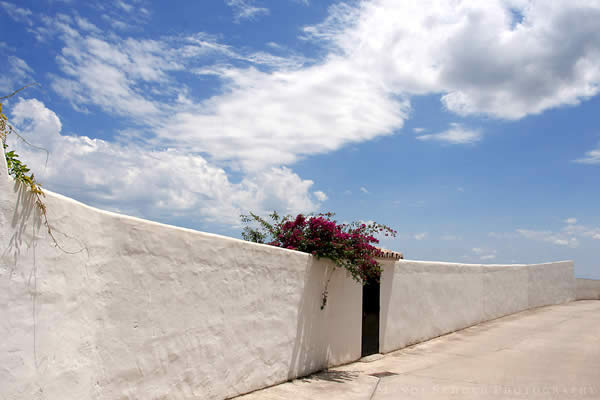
{"type": "Point", "coordinates": [370, 318]}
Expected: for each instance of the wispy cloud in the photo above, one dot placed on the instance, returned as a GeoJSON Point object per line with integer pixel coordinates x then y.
{"type": "Point", "coordinates": [17, 13]}
{"type": "Point", "coordinates": [503, 235]}
{"type": "Point", "coordinates": [17, 74]}
{"type": "Point", "coordinates": [364, 190]}
{"type": "Point", "coordinates": [420, 236]}
{"type": "Point", "coordinates": [484, 254]}
{"type": "Point", "coordinates": [124, 5]}
{"type": "Point", "coordinates": [456, 134]}
{"type": "Point", "coordinates": [570, 235]}
{"type": "Point", "coordinates": [245, 9]}
{"type": "Point", "coordinates": [583, 231]}
{"type": "Point", "coordinates": [321, 196]}
{"type": "Point", "coordinates": [591, 157]}
{"type": "Point", "coordinates": [550, 237]}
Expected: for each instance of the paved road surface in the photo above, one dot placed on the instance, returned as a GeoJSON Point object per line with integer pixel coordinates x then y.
{"type": "Point", "coordinates": [546, 353]}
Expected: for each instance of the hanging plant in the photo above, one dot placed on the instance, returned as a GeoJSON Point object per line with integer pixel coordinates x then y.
{"type": "Point", "coordinates": [21, 173]}
{"type": "Point", "coordinates": [349, 246]}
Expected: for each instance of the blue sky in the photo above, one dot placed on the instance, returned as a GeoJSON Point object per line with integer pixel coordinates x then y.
{"type": "Point", "coordinates": [470, 127]}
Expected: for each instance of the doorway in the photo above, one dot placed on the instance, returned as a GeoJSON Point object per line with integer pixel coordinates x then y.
{"type": "Point", "coordinates": [370, 318]}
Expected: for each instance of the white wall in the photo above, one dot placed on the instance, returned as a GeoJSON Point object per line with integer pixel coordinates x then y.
{"type": "Point", "coordinates": [588, 289]}
{"type": "Point", "coordinates": [143, 310]}
{"type": "Point", "coordinates": [149, 311]}
{"type": "Point", "coordinates": [422, 300]}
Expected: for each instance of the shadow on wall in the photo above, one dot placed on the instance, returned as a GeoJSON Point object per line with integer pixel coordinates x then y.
{"type": "Point", "coordinates": [310, 348]}
{"type": "Point", "coordinates": [22, 221]}
{"type": "Point", "coordinates": [329, 336]}
{"type": "Point", "coordinates": [387, 281]}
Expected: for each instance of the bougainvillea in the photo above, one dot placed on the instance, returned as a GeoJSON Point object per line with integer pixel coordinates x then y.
{"type": "Point", "coordinates": [349, 246]}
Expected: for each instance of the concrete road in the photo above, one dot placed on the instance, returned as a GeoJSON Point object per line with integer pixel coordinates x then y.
{"type": "Point", "coordinates": [546, 353]}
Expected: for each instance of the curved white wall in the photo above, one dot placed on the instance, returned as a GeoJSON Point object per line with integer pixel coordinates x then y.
{"type": "Point", "coordinates": [588, 289]}
{"type": "Point", "coordinates": [149, 311]}
{"type": "Point", "coordinates": [421, 300]}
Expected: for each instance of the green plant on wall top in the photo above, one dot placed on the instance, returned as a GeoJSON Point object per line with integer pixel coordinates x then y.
{"type": "Point", "coordinates": [349, 246]}
{"type": "Point", "coordinates": [22, 174]}
{"type": "Point", "coordinates": [16, 168]}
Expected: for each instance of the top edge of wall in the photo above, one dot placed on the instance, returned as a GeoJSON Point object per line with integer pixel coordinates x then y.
{"type": "Point", "coordinates": [480, 265]}
{"type": "Point", "coordinates": [161, 224]}
{"type": "Point", "coordinates": [51, 194]}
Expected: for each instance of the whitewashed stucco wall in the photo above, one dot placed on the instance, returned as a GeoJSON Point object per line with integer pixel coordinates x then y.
{"type": "Point", "coordinates": [149, 311]}
{"type": "Point", "coordinates": [588, 289]}
{"type": "Point", "coordinates": [421, 300]}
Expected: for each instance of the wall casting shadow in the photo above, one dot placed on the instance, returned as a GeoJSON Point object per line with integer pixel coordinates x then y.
{"type": "Point", "coordinates": [311, 345]}
{"type": "Point", "coordinates": [25, 224]}
{"type": "Point", "coordinates": [387, 282]}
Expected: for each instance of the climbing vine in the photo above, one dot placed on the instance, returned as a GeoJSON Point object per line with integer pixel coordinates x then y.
{"type": "Point", "coordinates": [22, 174]}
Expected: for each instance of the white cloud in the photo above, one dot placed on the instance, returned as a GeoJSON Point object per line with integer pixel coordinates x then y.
{"type": "Point", "coordinates": [150, 183]}
{"type": "Point", "coordinates": [127, 77]}
{"type": "Point", "coordinates": [202, 44]}
{"type": "Point", "coordinates": [273, 110]}
{"type": "Point", "coordinates": [364, 190]}
{"type": "Point", "coordinates": [574, 229]}
{"type": "Point", "coordinates": [550, 237]}
{"type": "Point", "coordinates": [476, 54]}
{"type": "Point", "coordinates": [456, 134]}
{"type": "Point", "coordinates": [18, 74]}
{"type": "Point", "coordinates": [17, 13]}
{"type": "Point", "coordinates": [477, 250]}
{"type": "Point", "coordinates": [124, 15]}
{"type": "Point", "coordinates": [124, 6]}
{"type": "Point", "coordinates": [281, 116]}
{"type": "Point", "coordinates": [591, 157]}
{"type": "Point", "coordinates": [245, 9]}
{"type": "Point", "coordinates": [569, 235]}
{"type": "Point", "coordinates": [419, 130]}
{"type": "Point", "coordinates": [111, 75]}
{"type": "Point", "coordinates": [381, 53]}
{"type": "Point", "coordinates": [86, 25]}
{"type": "Point", "coordinates": [484, 254]}
{"type": "Point", "coordinates": [321, 196]}
{"type": "Point", "coordinates": [420, 236]}
{"type": "Point", "coordinates": [503, 235]}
